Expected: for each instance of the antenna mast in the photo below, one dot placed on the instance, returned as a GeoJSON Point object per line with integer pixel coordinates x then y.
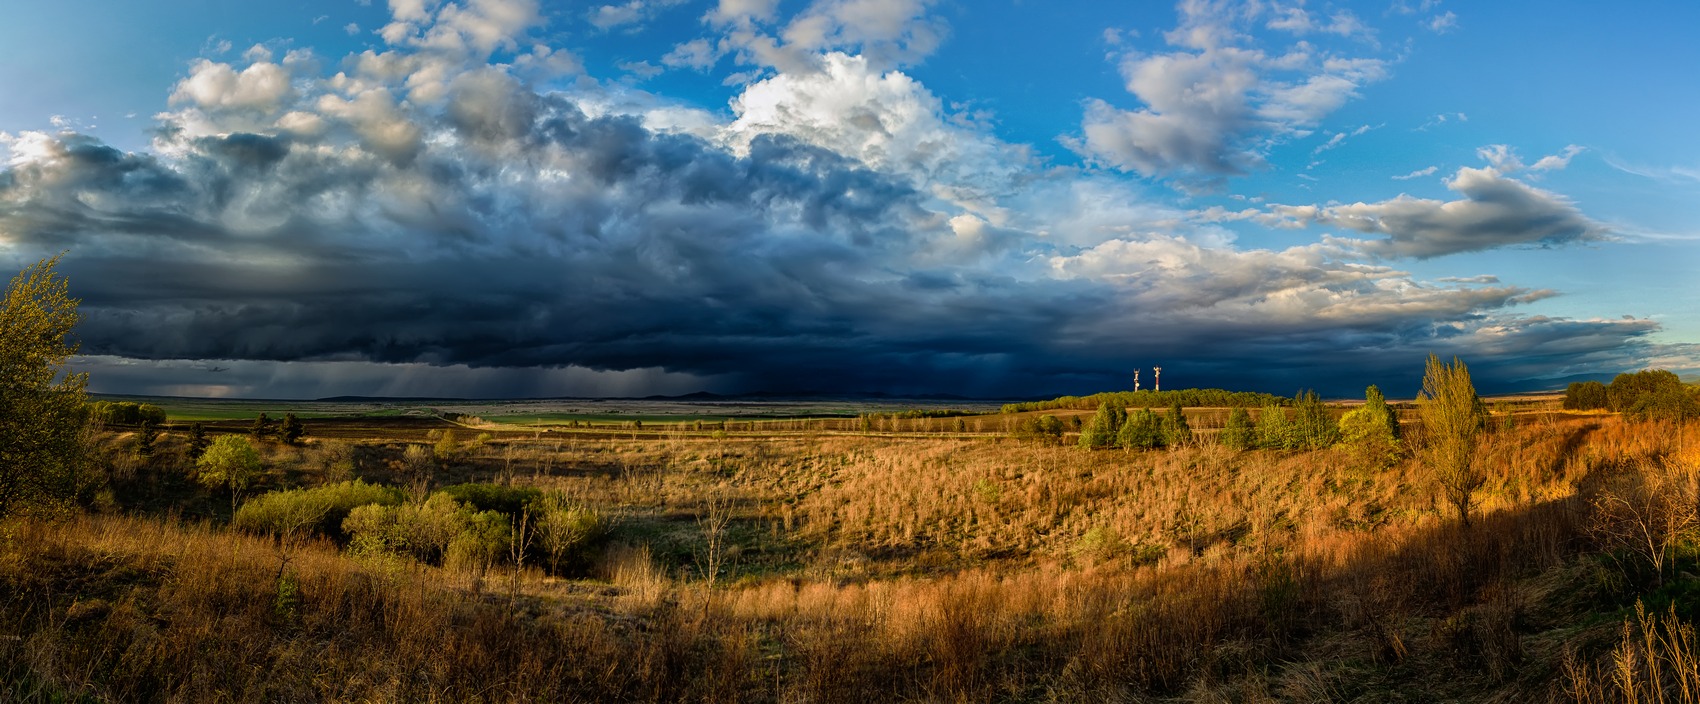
{"type": "Point", "coordinates": [1136, 380]}
{"type": "Point", "coordinates": [1157, 383]}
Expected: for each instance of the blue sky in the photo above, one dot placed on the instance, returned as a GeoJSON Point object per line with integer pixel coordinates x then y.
{"type": "Point", "coordinates": [508, 198]}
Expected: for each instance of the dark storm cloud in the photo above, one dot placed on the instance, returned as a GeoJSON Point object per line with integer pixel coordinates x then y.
{"type": "Point", "coordinates": [429, 211]}
{"type": "Point", "coordinates": [657, 251]}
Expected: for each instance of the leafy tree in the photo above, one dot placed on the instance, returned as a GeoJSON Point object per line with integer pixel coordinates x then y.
{"type": "Point", "coordinates": [1274, 432]}
{"type": "Point", "coordinates": [1238, 434]}
{"type": "Point", "coordinates": [261, 428]}
{"type": "Point", "coordinates": [1141, 431]}
{"type": "Point", "coordinates": [1653, 394]}
{"type": "Point", "coordinates": [1101, 430]}
{"type": "Point", "coordinates": [145, 437]}
{"type": "Point", "coordinates": [1176, 431]}
{"type": "Point", "coordinates": [1585, 396]}
{"type": "Point", "coordinates": [1372, 430]}
{"type": "Point", "coordinates": [292, 429]}
{"type": "Point", "coordinates": [197, 441]}
{"type": "Point", "coordinates": [230, 461]}
{"type": "Point", "coordinates": [446, 447]}
{"type": "Point", "coordinates": [1627, 389]}
{"type": "Point", "coordinates": [1313, 428]}
{"type": "Point", "coordinates": [42, 407]}
{"type": "Point", "coordinates": [1049, 426]}
{"type": "Point", "coordinates": [1453, 420]}
{"type": "Point", "coordinates": [1666, 404]}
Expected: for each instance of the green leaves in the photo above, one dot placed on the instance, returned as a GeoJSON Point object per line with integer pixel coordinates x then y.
{"type": "Point", "coordinates": [41, 420]}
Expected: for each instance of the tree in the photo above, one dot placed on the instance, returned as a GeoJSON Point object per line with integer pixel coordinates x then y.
{"type": "Point", "coordinates": [1372, 431]}
{"type": "Point", "coordinates": [230, 461]}
{"type": "Point", "coordinates": [1585, 396]}
{"type": "Point", "coordinates": [1141, 431]}
{"type": "Point", "coordinates": [1101, 430]}
{"type": "Point", "coordinates": [1238, 434]}
{"type": "Point", "coordinates": [261, 428]}
{"type": "Point", "coordinates": [1274, 432]}
{"type": "Point", "coordinates": [1453, 419]}
{"type": "Point", "coordinates": [446, 447]}
{"type": "Point", "coordinates": [197, 441]}
{"type": "Point", "coordinates": [43, 408]}
{"type": "Point", "coordinates": [1628, 389]}
{"type": "Point", "coordinates": [1176, 432]}
{"type": "Point", "coordinates": [292, 429]}
{"type": "Point", "coordinates": [145, 437]}
{"type": "Point", "coordinates": [1313, 428]}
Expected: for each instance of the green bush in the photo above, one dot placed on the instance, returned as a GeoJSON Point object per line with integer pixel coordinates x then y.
{"type": "Point", "coordinates": [126, 413]}
{"type": "Point", "coordinates": [569, 534]}
{"type": "Point", "coordinates": [484, 538]}
{"type": "Point", "coordinates": [510, 500]}
{"type": "Point", "coordinates": [319, 510]}
{"type": "Point", "coordinates": [422, 531]}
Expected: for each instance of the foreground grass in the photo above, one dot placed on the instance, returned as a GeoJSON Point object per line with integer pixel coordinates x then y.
{"type": "Point", "coordinates": [899, 570]}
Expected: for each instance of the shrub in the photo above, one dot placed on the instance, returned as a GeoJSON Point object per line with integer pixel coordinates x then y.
{"type": "Point", "coordinates": [126, 413]}
{"type": "Point", "coordinates": [320, 510]}
{"type": "Point", "coordinates": [510, 500]}
{"type": "Point", "coordinates": [1372, 431]}
{"type": "Point", "coordinates": [484, 537]}
{"type": "Point", "coordinates": [421, 530]}
{"type": "Point", "coordinates": [569, 535]}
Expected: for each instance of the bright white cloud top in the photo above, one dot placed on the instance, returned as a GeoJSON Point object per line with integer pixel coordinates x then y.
{"type": "Point", "coordinates": [482, 202]}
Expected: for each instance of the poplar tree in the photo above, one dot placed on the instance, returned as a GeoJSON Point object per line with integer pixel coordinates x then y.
{"type": "Point", "coordinates": [1453, 420]}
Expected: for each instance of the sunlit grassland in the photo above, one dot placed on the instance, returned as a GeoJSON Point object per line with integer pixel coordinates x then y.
{"type": "Point", "coordinates": [906, 562]}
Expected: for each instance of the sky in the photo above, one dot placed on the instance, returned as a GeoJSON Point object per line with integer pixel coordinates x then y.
{"type": "Point", "coordinates": [1007, 198]}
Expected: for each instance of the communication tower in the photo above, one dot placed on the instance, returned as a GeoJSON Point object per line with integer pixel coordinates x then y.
{"type": "Point", "coordinates": [1157, 380]}
{"type": "Point", "coordinates": [1136, 380]}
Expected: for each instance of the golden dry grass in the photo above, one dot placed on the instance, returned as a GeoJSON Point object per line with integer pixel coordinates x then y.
{"type": "Point", "coordinates": [880, 569]}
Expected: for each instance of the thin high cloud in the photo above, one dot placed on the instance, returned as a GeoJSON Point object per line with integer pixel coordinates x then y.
{"type": "Point", "coordinates": [427, 209]}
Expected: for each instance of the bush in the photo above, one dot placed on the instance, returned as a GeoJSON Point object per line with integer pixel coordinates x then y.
{"type": "Point", "coordinates": [126, 413]}
{"type": "Point", "coordinates": [422, 531]}
{"type": "Point", "coordinates": [320, 510]}
{"type": "Point", "coordinates": [510, 500]}
{"type": "Point", "coordinates": [484, 537]}
{"type": "Point", "coordinates": [569, 534]}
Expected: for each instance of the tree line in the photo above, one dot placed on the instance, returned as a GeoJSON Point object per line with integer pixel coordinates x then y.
{"type": "Point", "coordinates": [1146, 398]}
{"type": "Point", "coordinates": [1652, 394]}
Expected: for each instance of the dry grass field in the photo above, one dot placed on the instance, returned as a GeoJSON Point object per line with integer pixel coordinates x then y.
{"type": "Point", "coordinates": [901, 560]}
